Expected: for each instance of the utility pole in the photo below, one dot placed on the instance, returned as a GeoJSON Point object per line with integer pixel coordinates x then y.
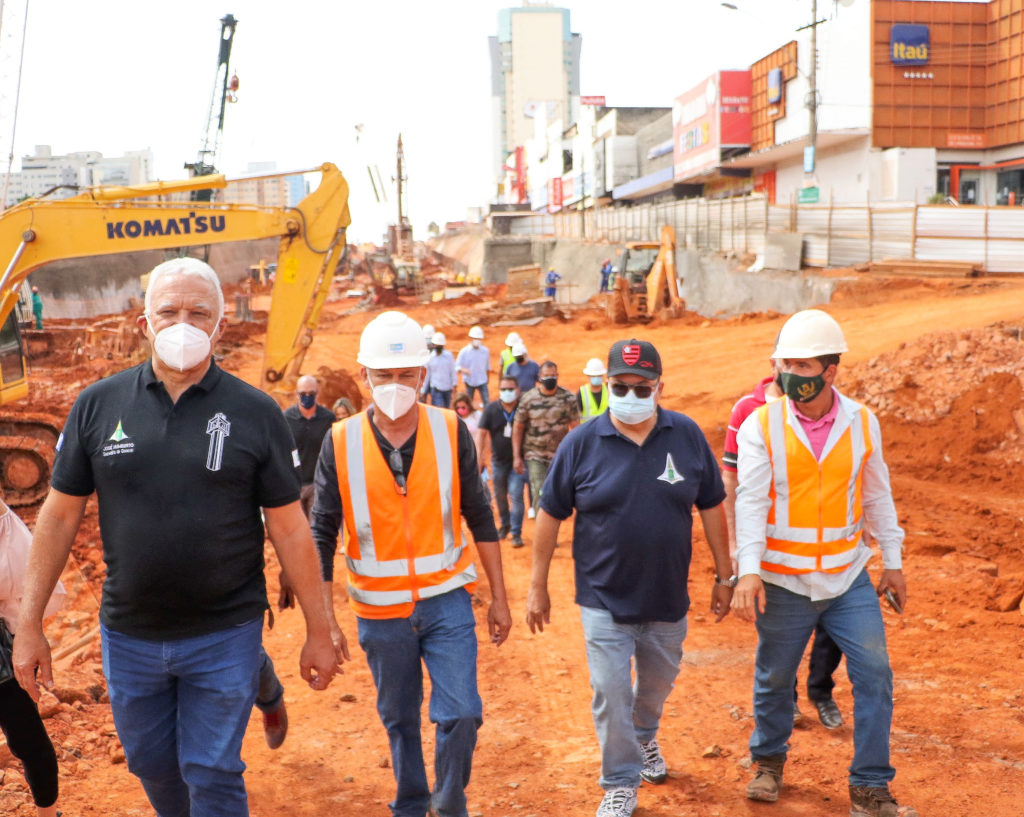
{"type": "Point", "coordinates": [812, 106]}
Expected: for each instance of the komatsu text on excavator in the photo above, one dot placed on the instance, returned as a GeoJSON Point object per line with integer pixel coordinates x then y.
{"type": "Point", "coordinates": [107, 220]}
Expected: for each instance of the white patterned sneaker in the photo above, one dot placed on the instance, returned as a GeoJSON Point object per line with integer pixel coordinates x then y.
{"type": "Point", "coordinates": [653, 770]}
{"type": "Point", "coordinates": [617, 803]}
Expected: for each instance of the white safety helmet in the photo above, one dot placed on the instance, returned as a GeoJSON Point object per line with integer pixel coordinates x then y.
{"type": "Point", "coordinates": [512, 339]}
{"type": "Point", "coordinates": [438, 339]}
{"type": "Point", "coordinates": [392, 340]}
{"type": "Point", "coordinates": [518, 348]}
{"type": "Point", "coordinates": [476, 333]}
{"type": "Point", "coordinates": [594, 367]}
{"type": "Point", "coordinates": [810, 333]}
{"type": "Point", "coordinates": [428, 330]}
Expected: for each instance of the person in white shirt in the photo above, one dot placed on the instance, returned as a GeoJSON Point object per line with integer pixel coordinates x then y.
{"type": "Point", "coordinates": [811, 480]}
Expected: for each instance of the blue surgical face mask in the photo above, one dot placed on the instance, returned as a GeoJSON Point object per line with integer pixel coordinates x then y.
{"type": "Point", "coordinates": [631, 410]}
{"type": "Point", "coordinates": [596, 381]}
{"type": "Point", "coordinates": [307, 401]}
{"type": "Point", "coordinates": [507, 395]}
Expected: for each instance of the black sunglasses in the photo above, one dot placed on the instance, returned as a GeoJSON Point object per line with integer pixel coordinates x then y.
{"type": "Point", "coordinates": [622, 389]}
{"type": "Point", "coordinates": [395, 462]}
{"type": "Point", "coordinates": [307, 394]}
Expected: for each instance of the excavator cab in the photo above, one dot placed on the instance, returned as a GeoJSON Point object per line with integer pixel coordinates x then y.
{"type": "Point", "coordinates": [13, 385]}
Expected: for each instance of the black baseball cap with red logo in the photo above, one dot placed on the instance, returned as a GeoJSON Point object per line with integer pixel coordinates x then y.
{"type": "Point", "coordinates": [634, 357]}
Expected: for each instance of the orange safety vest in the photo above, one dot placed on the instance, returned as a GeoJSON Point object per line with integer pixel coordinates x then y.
{"type": "Point", "coordinates": [591, 408]}
{"type": "Point", "coordinates": [399, 549]}
{"type": "Point", "coordinates": [816, 516]}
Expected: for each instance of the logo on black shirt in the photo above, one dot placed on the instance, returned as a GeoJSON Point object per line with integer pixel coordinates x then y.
{"type": "Point", "coordinates": [670, 474]}
{"type": "Point", "coordinates": [218, 428]}
{"type": "Point", "coordinates": [118, 443]}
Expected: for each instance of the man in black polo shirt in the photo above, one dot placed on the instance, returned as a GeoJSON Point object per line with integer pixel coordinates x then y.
{"type": "Point", "coordinates": [635, 465]}
{"type": "Point", "coordinates": [496, 425]}
{"type": "Point", "coordinates": [182, 456]}
{"type": "Point", "coordinates": [309, 423]}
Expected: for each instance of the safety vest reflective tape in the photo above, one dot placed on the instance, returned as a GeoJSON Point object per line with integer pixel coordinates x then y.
{"type": "Point", "coordinates": [507, 359]}
{"type": "Point", "coordinates": [816, 516]}
{"type": "Point", "coordinates": [401, 548]}
{"type": "Point", "coordinates": [591, 407]}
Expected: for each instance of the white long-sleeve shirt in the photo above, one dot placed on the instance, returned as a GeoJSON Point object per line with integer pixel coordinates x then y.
{"type": "Point", "coordinates": [753, 502]}
{"type": "Point", "coordinates": [15, 542]}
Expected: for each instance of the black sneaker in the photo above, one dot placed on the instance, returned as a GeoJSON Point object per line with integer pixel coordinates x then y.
{"type": "Point", "coordinates": [503, 531]}
{"type": "Point", "coordinates": [517, 541]}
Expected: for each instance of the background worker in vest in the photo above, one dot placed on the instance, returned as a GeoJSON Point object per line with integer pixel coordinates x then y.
{"type": "Point", "coordinates": [825, 655]}
{"type": "Point", "coordinates": [474, 366]}
{"type": "Point", "coordinates": [593, 396]}
{"type": "Point", "coordinates": [507, 357]}
{"type": "Point", "coordinates": [811, 478]}
{"type": "Point", "coordinates": [388, 474]}
{"type": "Point", "coordinates": [637, 465]}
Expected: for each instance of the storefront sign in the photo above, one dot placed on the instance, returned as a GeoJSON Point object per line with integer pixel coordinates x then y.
{"type": "Point", "coordinates": [807, 195]}
{"type": "Point", "coordinates": [714, 114]}
{"type": "Point", "coordinates": [775, 85]}
{"type": "Point", "coordinates": [965, 139]}
{"type": "Point", "coordinates": [554, 194]}
{"type": "Point", "coordinates": [592, 100]}
{"type": "Point", "coordinates": [909, 44]}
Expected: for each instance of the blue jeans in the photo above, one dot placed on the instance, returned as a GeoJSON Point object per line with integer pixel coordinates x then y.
{"type": "Point", "coordinates": [481, 390]}
{"type": "Point", "coordinates": [628, 712]}
{"type": "Point", "coordinates": [854, 621]}
{"type": "Point", "coordinates": [269, 692]}
{"type": "Point", "coordinates": [441, 399]}
{"type": "Point", "coordinates": [181, 708]}
{"type": "Point", "coordinates": [508, 484]}
{"type": "Point", "coordinates": [442, 633]}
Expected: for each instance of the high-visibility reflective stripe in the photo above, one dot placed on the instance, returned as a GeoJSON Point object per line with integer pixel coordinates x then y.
{"type": "Point", "coordinates": [445, 477]}
{"type": "Point", "coordinates": [379, 598]}
{"type": "Point", "coordinates": [357, 489]}
{"type": "Point", "coordinates": [810, 535]}
{"type": "Point", "coordinates": [400, 567]}
{"type": "Point", "coordinates": [591, 408]}
{"type": "Point", "coordinates": [465, 577]}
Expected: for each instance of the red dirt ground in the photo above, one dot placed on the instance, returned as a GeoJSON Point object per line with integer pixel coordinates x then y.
{"type": "Point", "coordinates": [939, 360]}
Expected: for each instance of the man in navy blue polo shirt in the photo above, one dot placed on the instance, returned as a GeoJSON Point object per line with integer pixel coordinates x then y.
{"type": "Point", "coordinates": [636, 464]}
{"type": "Point", "coordinates": [182, 456]}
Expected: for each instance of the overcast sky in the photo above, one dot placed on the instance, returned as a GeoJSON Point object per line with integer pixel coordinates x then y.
{"type": "Point", "coordinates": [117, 75]}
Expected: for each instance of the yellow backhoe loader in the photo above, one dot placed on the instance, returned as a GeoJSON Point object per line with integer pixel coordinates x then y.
{"type": "Point", "coordinates": [645, 283]}
{"type": "Point", "coordinates": [107, 220]}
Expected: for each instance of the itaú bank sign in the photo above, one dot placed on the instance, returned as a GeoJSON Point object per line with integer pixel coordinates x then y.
{"type": "Point", "coordinates": [909, 44]}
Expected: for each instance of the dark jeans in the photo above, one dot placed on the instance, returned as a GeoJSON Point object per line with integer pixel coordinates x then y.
{"type": "Point", "coordinates": [28, 741]}
{"type": "Point", "coordinates": [481, 390]}
{"type": "Point", "coordinates": [508, 484]}
{"type": "Point", "coordinates": [825, 658]}
{"type": "Point", "coordinates": [269, 692]}
{"type": "Point", "coordinates": [441, 399]}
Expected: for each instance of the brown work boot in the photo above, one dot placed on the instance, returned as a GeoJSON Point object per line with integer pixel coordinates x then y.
{"type": "Point", "coordinates": [275, 726]}
{"type": "Point", "coordinates": [765, 786]}
{"type": "Point", "coordinates": [876, 801]}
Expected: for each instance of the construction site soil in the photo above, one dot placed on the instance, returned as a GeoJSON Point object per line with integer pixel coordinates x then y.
{"type": "Point", "coordinates": [940, 362]}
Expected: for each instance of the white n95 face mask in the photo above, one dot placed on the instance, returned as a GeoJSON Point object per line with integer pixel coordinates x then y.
{"type": "Point", "coordinates": [181, 346]}
{"type": "Point", "coordinates": [394, 399]}
{"type": "Point", "coordinates": [631, 410]}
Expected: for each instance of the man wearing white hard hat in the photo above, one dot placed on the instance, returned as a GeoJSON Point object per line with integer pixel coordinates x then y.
{"type": "Point", "coordinates": [592, 400]}
{"type": "Point", "coordinates": [398, 477]}
{"type": "Point", "coordinates": [440, 381]}
{"type": "Point", "coordinates": [474, 365]}
{"type": "Point", "coordinates": [811, 479]}
{"type": "Point", "coordinates": [507, 355]}
{"type": "Point", "coordinates": [525, 371]}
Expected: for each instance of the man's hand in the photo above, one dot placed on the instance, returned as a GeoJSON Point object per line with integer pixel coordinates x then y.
{"type": "Point", "coordinates": [32, 652]}
{"type": "Point", "coordinates": [894, 579]}
{"type": "Point", "coordinates": [720, 598]}
{"type": "Point", "coordinates": [285, 596]}
{"type": "Point", "coordinates": [748, 598]}
{"type": "Point", "coordinates": [319, 661]}
{"type": "Point", "coordinates": [499, 621]}
{"type": "Point", "coordinates": [519, 465]}
{"type": "Point", "coordinates": [538, 609]}
{"type": "Point", "coordinates": [340, 642]}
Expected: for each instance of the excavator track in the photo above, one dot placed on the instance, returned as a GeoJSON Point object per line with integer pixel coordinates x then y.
{"type": "Point", "coordinates": [27, 444]}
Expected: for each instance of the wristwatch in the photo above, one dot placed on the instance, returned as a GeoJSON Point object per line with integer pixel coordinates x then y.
{"type": "Point", "coordinates": [730, 582]}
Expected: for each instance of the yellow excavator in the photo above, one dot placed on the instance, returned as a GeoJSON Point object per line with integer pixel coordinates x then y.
{"type": "Point", "coordinates": [158, 215]}
{"type": "Point", "coordinates": [645, 283]}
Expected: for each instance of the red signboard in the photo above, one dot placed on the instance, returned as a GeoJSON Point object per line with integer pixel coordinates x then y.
{"type": "Point", "coordinates": [965, 139]}
{"type": "Point", "coordinates": [592, 100]}
{"type": "Point", "coordinates": [713, 115]}
{"type": "Point", "coordinates": [554, 194]}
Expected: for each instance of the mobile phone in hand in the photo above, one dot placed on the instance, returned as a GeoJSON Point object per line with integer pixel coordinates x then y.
{"type": "Point", "coordinates": [894, 602]}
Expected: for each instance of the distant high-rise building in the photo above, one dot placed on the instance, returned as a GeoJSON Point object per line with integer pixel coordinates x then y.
{"type": "Point", "coordinates": [61, 176]}
{"type": "Point", "coordinates": [535, 72]}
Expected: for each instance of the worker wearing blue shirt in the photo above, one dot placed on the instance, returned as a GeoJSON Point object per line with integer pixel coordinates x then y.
{"type": "Point", "coordinates": [474, 365]}
{"type": "Point", "coordinates": [551, 279]}
{"type": "Point", "coordinates": [635, 462]}
{"type": "Point", "coordinates": [525, 371]}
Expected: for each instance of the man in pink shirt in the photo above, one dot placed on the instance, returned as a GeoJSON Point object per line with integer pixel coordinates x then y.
{"type": "Point", "coordinates": [825, 655]}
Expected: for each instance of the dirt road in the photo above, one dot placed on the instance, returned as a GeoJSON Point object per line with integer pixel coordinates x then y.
{"type": "Point", "coordinates": [958, 733]}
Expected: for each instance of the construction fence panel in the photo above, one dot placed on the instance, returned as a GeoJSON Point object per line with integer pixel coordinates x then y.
{"type": "Point", "coordinates": [849, 236]}
{"type": "Point", "coordinates": [892, 232]}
